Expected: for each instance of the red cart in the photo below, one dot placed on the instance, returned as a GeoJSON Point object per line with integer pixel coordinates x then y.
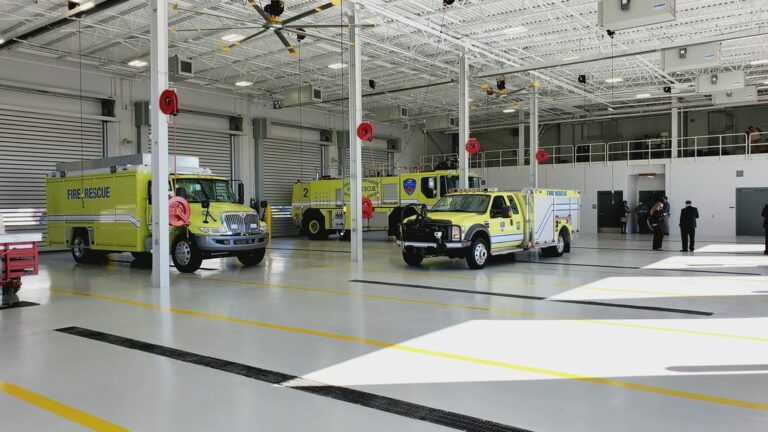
{"type": "Point", "coordinates": [18, 257]}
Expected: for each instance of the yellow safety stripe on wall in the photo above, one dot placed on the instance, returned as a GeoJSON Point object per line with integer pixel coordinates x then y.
{"type": "Point", "coordinates": [446, 355]}
{"type": "Point", "coordinates": [58, 408]}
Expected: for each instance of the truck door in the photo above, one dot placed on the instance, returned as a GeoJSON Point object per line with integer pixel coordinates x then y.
{"type": "Point", "coordinates": [504, 231]}
{"type": "Point", "coordinates": [517, 221]}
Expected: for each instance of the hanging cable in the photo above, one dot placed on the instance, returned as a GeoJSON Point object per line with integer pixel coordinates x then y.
{"type": "Point", "coordinates": [301, 120]}
{"type": "Point", "coordinates": [82, 144]}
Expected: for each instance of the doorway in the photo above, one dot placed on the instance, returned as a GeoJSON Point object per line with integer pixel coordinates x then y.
{"type": "Point", "coordinates": [648, 198]}
{"type": "Point", "coordinates": [609, 211]}
{"type": "Point", "coordinates": [749, 206]}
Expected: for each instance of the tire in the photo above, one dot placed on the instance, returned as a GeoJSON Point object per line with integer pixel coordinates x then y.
{"type": "Point", "coordinates": [558, 249]}
{"type": "Point", "coordinates": [413, 257]}
{"type": "Point", "coordinates": [82, 253]}
{"type": "Point", "coordinates": [186, 257]}
{"type": "Point", "coordinates": [313, 225]}
{"type": "Point", "coordinates": [478, 253]}
{"type": "Point", "coordinates": [252, 257]}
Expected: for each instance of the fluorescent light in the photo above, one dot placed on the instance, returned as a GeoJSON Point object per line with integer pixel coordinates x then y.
{"type": "Point", "coordinates": [516, 30]}
{"type": "Point", "coordinates": [86, 6]}
{"type": "Point", "coordinates": [137, 63]}
{"type": "Point", "coordinates": [243, 83]}
{"type": "Point", "coordinates": [2, 41]}
{"type": "Point", "coordinates": [643, 95]}
{"type": "Point", "coordinates": [509, 110]}
{"type": "Point", "coordinates": [337, 65]}
{"type": "Point", "coordinates": [614, 80]}
{"type": "Point", "coordinates": [611, 109]}
{"type": "Point", "coordinates": [571, 58]}
{"type": "Point", "coordinates": [758, 62]}
{"type": "Point", "coordinates": [233, 37]}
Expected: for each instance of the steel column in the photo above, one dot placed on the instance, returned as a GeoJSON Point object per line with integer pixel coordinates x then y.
{"type": "Point", "coordinates": [355, 145]}
{"type": "Point", "coordinates": [534, 131]}
{"type": "Point", "coordinates": [463, 120]}
{"type": "Point", "coordinates": [521, 136]}
{"type": "Point", "coordinates": [159, 82]}
{"type": "Point", "coordinates": [675, 129]}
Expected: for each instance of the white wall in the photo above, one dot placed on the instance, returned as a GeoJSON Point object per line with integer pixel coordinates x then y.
{"type": "Point", "coordinates": [709, 182]}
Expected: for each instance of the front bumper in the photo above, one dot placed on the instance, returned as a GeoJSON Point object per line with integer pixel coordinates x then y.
{"type": "Point", "coordinates": [435, 245]}
{"type": "Point", "coordinates": [230, 243]}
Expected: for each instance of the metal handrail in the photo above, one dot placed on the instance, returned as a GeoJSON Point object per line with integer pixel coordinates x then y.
{"type": "Point", "coordinates": [758, 143]}
{"type": "Point", "coordinates": [724, 145]}
{"type": "Point", "coordinates": [500, 158]}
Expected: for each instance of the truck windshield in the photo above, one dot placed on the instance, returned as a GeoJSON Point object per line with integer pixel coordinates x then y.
{"type": "Point", "coordinates": [453, 182]}
{"type": "Point", "coordinates": [462, 203]}
{"type": "Point", "coordinates": [198, 189]}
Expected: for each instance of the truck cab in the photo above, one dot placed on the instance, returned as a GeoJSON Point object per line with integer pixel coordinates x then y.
{"type": "Point", "coordinates": [475, 224]}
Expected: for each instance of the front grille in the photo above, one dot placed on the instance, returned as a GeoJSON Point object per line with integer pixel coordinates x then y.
{"type": "Point", "coordinates": [240, 223]}
{"type": "Point", "coordinates": [425, 232]}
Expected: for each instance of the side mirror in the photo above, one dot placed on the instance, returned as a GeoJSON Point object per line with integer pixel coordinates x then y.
{"type": "Point", "coordinates": [264, 204]}
{"type": "Point", "coordinates": [149, 191]}
{"type": "Point", "coordinates": [423, 209]}
{"type": "Point", "coordinates": [253, 204]}
{"type": "Point", "coordinates": [205, 204]}
{"type": "Point", "coordinates": [240, 193]}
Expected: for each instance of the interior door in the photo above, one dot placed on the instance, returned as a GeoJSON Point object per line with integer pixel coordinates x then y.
{"type": "Point", "coordinates": [749, 207]}
{"type": "Point", "coordinates": [609, 210]}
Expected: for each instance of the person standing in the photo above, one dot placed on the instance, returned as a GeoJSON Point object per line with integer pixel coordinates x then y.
{"type": "Point", "coordinates": [656, 221]}
{"type": "Point", "coordinates": [688, 216]}
{"type": "Point", "coordinates": [665, 211]}
{"type": "Point", "coordinates": [641, 217]}
{"type": "Point", "coordinates": [765, 225]}
{"type": "Point", "coordinates": [624, 212]}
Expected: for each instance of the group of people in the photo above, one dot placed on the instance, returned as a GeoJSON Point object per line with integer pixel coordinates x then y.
{"type": "Point", "coordinates": [656, 218]}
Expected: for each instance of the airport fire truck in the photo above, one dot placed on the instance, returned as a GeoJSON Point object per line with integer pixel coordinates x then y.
{"type": "Point", "coordinates": [475, 224]}
{"type": "Point", "coordinates": [319, 207]}
{"type": "Point", "coordinates": [104, 205]}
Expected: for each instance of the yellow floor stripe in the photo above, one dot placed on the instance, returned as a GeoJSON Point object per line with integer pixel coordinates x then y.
{"type": "Point", "coordinates": [458, 357]}
{"type": "Point", "coordinates": [498, 311]}
{"type": "Point", "coordinates": [58, 408]}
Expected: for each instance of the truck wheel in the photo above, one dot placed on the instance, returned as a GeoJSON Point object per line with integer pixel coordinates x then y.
{"type": "Point", "coordinates": [314, 226]}
{"type": "Point", "coordinates": [478, 253]}
{"type": "Point", "coordinates": [82, 253]}
{"type": "Point", "coordinates": [251, 257]}
{"type": "Point", "coordinates": [186, 257]}
{"type": "Point", "coordinates": [557, 250]}
{"type": "Point", "coordinates": [412, 256]}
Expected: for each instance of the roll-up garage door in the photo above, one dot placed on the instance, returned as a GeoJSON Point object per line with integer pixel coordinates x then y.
{"type": "Point", "coordinates": [374, 160]}
{"type": "Point", "coordinates": [213, 148]}
{"type": "Point", "coordinates": [31, 144]}
{"type": "Point", "coordinates": [283, 163]}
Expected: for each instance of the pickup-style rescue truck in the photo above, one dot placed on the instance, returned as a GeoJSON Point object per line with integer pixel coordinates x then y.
{"type": "Point", "coordinates": [319, 207]}
{"type": "Point", "coordinates": [104, 205]}
{"type": "Point", "coordinates": [475, 224]}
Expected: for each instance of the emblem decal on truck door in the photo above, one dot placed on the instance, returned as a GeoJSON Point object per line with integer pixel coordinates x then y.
{"type": "Point", "coordinates": [409, 186]}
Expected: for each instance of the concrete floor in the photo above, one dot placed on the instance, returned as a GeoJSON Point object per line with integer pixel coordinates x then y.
{"type": "Point", "coordinates": [662, 363]}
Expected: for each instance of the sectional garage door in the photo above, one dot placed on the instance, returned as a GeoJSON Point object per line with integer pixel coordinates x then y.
{"type": "Point", "coordinates": [31, 144]}
{"type": "Point", "coordinates": [283, 163]}
{"type": "Point", "coordinates": [213, 148]}
{"type": "Point", "coordinates": [373, 159]}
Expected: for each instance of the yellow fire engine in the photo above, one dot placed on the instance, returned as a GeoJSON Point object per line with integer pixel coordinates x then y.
{"type": "Point", "coordinates": [319, 207]}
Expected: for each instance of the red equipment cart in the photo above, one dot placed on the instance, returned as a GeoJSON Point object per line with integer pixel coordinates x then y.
{"type": "Point", "coordinates": [18, 257]}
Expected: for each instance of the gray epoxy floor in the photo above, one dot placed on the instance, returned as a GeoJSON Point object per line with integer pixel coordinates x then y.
{"type": "Point", "coordinates": [537, 365]}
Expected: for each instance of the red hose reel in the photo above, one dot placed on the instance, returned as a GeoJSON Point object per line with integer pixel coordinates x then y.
{"type": "Point", "coordinates": [472, 146]}
{"type": "Point", "coordinates": [169, 102]}
{"type": "Point", "coordinates": [542, 156]}
{"type": "Point", "coordinates": [365, 131]}
{"type": "Point", "coordinates": [178, 211]}
{"type": "Point", "coordinates": [367, 208]}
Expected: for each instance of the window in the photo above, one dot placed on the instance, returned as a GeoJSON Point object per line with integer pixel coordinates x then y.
{"type": "Point", "coordinates": [198, 190]}
{"type": "Point", "coordinates": [462, 203]}
{"type": "Point", "coordinates": [513, 205]}
{"type": "Point", "coordinates": [497, 206]}
{"type": "Point", "coordinates": [443, 185]}
{"type": "Point", "coordinates": [428, 187]}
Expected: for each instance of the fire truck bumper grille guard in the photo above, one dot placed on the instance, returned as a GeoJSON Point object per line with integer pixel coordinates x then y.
{"type": "Point", "coordinates": [429, 235]}
{"type": "Point", "coordinates": [241, 223]}
{"type": "Point", "coordinates": [231, 243]}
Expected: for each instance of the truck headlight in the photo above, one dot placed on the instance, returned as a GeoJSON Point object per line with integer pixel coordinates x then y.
{"type": "Point", "coordinates": [213, 230]}
{"type": "Point", "coordinates": [456, 233]}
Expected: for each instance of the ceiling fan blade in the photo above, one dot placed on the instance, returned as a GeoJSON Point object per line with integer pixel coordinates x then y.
{"type": "Point", "coordinates": [246, 39]}
{"type": "Point", "coordinates": [313, 11]}
{"type": "Point", "coordinates": [330, 25]}
{"type": "Point", "coordinates": [314, 36]}
{"type": "Point", "coordinates": [260, 11]}
{"type": "Point", "coordinates": [216, 29]}
{"type": "Point", "coordinates": [286, 43]}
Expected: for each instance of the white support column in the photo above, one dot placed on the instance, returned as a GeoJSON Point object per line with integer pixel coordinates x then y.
{"type": "Point", "coordinates": [534, 119]}
{"type": "Point", "coordinates": [521, 137]}
{"type": "Point", "coordinates": [355, 146]}
{"type": "Point", "coordinates": [675, 135]}
{"type": "Point", "coordinates": [159, 78]}
{"type": "Point", "coordinates": [463, 120]}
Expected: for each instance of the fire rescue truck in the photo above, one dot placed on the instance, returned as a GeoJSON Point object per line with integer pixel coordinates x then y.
{"type": "Point", "coordinates": [104, 205]}
{"type": "Point", "coordinates": [319, 207]}
{"type": "Point", "coordinates": [475, 224]}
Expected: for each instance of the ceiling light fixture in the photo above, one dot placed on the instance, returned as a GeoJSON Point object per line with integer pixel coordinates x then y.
{"type": "Point", "coordinates": [86, 6]}
{"type": "Point", "coordinates": [137, 63]}
{"type": "Point", "coordinates": [614, 80]}
{"type": "Point", "coordinates": [2, 41]}
{"type": "Point", "coordinates": [571, 58]}
{"type": "Point", "coordinates": [643, 95]}
{"type": "Point", "coordinates": [232, 37]}
{"type": "Point", "coordinates": [509, 110]}
{"type": "Point", "coordinates": [243, 83]}
{"type": "Point", "coordinates": [337, 65]}
{"type": "Point", "coordinates": [516, 30]}
{"type": "Point", "coordinates": [758, 62]}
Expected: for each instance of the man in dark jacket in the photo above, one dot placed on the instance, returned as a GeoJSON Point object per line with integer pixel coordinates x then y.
{"type": "Point", "coordinates": [688, 216]}
{"type": "Point", "coordinates": [765, 225]}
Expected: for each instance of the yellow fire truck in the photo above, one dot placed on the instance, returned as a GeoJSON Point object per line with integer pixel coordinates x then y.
{"type": "Point", "coordinates": [319, 207]}
{"type": "Point", "coordinates": [104, 205]}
